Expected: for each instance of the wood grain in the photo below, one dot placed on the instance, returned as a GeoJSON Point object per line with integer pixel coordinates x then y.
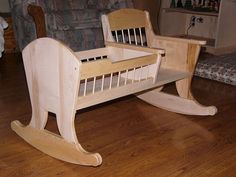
{"type": "Point", "coordinates": [180, 54]}
{"type": "Point", "coordinates": [54, 85]}
{"type": "Point", "coordinates": [102, 67]}
{"type": "Point", "coordinates": [142, 140]}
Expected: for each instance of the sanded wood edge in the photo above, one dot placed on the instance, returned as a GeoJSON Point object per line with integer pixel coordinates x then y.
{"type": "Point", "coordinates": [184, 86]}
{"type": "Point", "coordinates": [176, 104]}
{"type": "Point", "coordinates": [181, 40]}
{"type": "Point", "coordinates": [120, 19]}
{"type": "Point", "coordinates": [91, 53]}
{"type": "Point", "coordinates": [55, 146]}
{"type": "Point", "coordinates": [134, 47]}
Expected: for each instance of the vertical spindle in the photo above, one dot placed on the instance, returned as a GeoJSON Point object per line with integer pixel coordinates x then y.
{"type": "Point", "coordinates": [94, 84]}
{"type": "Point", "coordinates": [102, 86]}
{"type": "Point", "coordinates": [111, 77]}
{"type": "Point", "coordinates": [85, 86]}
{"type": "Point", "coordinates": [117, 40]}
{"type": "Point", "coordinates": [141, 36]}
{"type": "Point", "coordinates": [147, 71]}
{"type": "Point", "coordinates": [126, 76]}
{"type": "Point", "coordinates": [135, 37]}
{"type": "Point", "coordinates": [140, 73]}
{"type": "Point", "coordinates": [129, 36]}
{"type": "Point", "coordinates": [123, 36]}
{"type": "Point", "coordinates": [118, 81]}
{"type": "Point", "coordinates": [133, 75]}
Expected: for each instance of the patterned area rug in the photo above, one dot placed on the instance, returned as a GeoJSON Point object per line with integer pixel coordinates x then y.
{"type": "Point", "coordinates": [220, 68]}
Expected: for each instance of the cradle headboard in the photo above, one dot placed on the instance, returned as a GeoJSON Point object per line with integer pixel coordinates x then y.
{"type": "Point", "coordinates": [52, 72]}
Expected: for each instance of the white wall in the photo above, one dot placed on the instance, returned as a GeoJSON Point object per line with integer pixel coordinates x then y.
{"type": "Point", "coordinates": [4, 6]}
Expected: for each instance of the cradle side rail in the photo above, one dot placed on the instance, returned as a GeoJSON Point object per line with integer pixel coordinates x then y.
{"type": "Point", "coordinates": [62, 81]}
{"type": "Point", "coordinates": [126, 70]}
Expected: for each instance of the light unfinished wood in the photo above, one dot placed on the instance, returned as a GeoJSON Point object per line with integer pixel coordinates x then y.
{"type": "Point", "coordinates": [56, 76]}
{"type": "Point", "coordinates": [55, 146]}
{"type": "Point", "coordinates": [164, 76]}
{"type": "Point", "coordinates": [137, 139]}
{"type": "Point", "coordinates": [103, 67]}
{"type": "Point", "coordinates": [62, 81]}
{"type": "Point", "coordinates": [120, 23]}
{"type": "Point", "coordinates": [121, 19]}
{"type": "Point", "coordinates": [180, 55]}
{"type": "Point", "coordinates": [53, 82]}
{"type": "Point", "coordinates": [134, 47]}
{"type": "Point", "coordinates": [176, 104]}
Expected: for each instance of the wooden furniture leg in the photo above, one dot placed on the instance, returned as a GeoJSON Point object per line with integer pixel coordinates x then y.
{"type": "Point", "coordinates": [185, 103]}
{"type": "Point", "coordinates": [38, 16]}
{"type": "Point", "coordinates": [184, 86]}
{"type": "Point", "coordinates": [176, 104]}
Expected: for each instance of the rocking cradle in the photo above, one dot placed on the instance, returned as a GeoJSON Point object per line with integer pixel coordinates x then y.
{"type": "Point", "coordinates": [62, 81]}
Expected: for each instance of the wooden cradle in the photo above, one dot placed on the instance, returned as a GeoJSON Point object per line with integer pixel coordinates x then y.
{"type": "Point", "coordinates": [62, 81]}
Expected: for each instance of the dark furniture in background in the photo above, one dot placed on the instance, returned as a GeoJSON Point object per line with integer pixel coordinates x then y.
{"type": "Point", "coordinates": [76, 22]}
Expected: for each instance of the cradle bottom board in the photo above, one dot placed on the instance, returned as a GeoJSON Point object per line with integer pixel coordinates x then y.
{"type": "Point", "coordinates": [108, 93]}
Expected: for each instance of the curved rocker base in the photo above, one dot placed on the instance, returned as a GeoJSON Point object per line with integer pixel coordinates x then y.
{"type": "Point", "coordinates": [55, 146]}
{"type": "Point", "coordinates": [176, 104]}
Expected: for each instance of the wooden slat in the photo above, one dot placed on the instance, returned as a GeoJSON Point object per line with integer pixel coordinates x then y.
{"type": "Point", "coordinates": [113, 93]}
{"type": "Point", "coordinates": [91, 53]}
{"type": "Point", "coordinates": [165, 76]}
{"type": "Point", "coordinates": [101, 67]}
{"type": "Point", "coordinates": [180, 40]}
{"type": "Point", "coordinates": [134, 47]}
{"type": "Point", "coordinates": [121, 19]}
